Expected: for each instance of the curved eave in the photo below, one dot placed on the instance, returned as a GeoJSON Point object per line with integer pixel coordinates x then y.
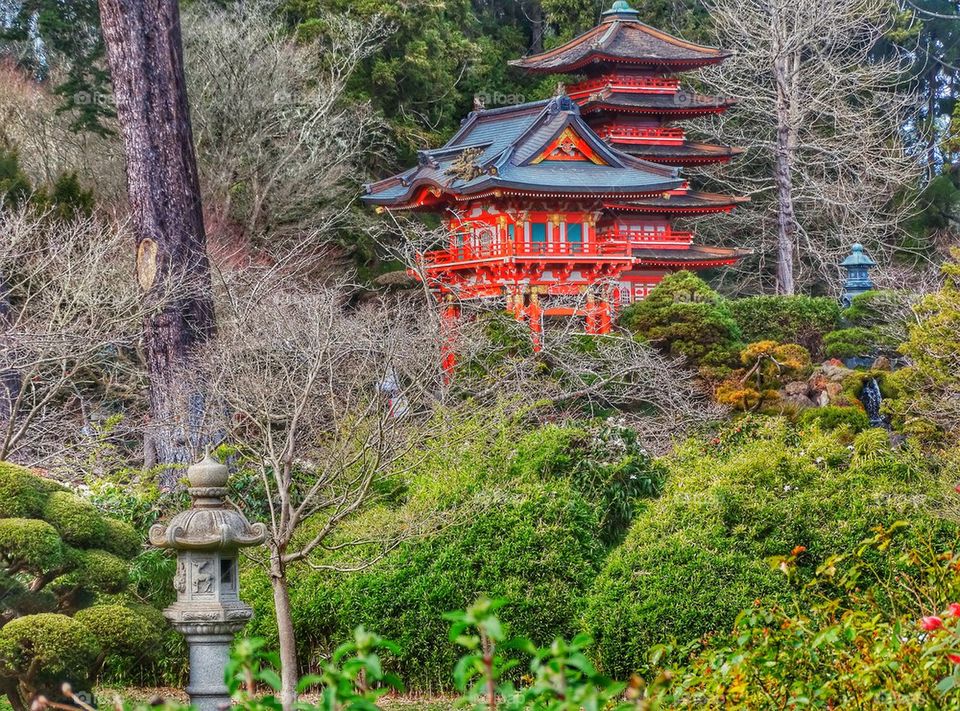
{"type": "Point", "coordinates": [596, 58]}
{"type": "Point", "coordinates": [719, 258]}
{"type": "Point", "coordinates": [504, 191]}
{"type": "Point", "coordinates": [591, 107]}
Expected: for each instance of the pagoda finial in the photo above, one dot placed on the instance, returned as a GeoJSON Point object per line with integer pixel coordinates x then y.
{"type": "Point", "coordinates": [621, 7]}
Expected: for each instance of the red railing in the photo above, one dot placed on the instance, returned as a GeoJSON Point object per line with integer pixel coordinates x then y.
{"type": "Point", "coordinates": [635, 237]}
{"type": "Point", "coordinates": [634, 133]}
{"type": "Point", "coordinates": [638, 85]}
{"type": "Point", "coordinates": [470, 253]}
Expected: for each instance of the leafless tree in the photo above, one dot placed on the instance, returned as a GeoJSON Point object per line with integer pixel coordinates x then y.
{"type": "Point", "coordinates": [821, 113]}
{"type": "Point", "coordinates": [69, 331]}
{"type": "Point", "coordinates": [324, 398]}
{"type": "Point", "coordinates": [279, 142]}
{"type": "Point", "coordinates": [29, 121]}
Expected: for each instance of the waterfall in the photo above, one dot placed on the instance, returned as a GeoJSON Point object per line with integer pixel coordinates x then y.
{"type": "Point", "coordinates": [871, 398]}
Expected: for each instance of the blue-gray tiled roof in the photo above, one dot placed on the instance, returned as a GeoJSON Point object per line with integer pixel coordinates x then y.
{"type": "Point", "coordinates": [507, 140]}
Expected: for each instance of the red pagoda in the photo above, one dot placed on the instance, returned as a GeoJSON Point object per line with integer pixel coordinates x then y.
{"type": "Point", "coordinates": [565, 207]}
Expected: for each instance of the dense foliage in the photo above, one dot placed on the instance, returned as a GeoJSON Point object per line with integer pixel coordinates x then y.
{"type": "Point", "coordinates": [796, 319]}
{"type": "Point", "coordinates": [61, 564]}
{"type": "Point", "coordinates": [699, 555]}
{"type": "Point", "coordinates": [686, 318]}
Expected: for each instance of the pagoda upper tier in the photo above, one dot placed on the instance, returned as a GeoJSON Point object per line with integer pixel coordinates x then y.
{"type": "Point", "coordinates": [542, 149]}
{"type": "Point", "coordinates": [627, 90]}
{"type": "Point", "coordinates": [622, 40]}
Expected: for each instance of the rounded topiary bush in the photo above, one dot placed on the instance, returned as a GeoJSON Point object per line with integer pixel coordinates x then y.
{"type": "Point", "coordinates": [684, 317]}
{"type": "Point", "coordinates": [20, 493]}
{"type": "Point", "coordinates": [35, 544]}
{"type": "Point", "coordinates": [121, 538]}
{"type": "Point", "coordinates": [534, 543]}
{"type": "Point", "coordinates": [701, 553]}
{"type": "Point", "coordinates": [42, 651]}
{"type": "Point", "coordinates": [121, 630]}
{"type": "Point", "coordinates": [78, 521]}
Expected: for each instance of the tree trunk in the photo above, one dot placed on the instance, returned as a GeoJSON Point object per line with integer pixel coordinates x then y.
{"type": "Point", "coordinates": [289, 669]}
{"type": "Point", "coordinates": [783, 177]}
{"type": "Point", "coordinates": [145, 54]}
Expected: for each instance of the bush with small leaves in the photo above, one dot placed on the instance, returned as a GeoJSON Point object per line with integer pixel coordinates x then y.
{"type": "Point", "coordinates": [684, 317]}
{"type": "Point", "coordinates": [120, 631]}
{"type": "Point", "coordinates": [58, 555]}
{"type": "Point", "coordinates": [833, 417]}
{"type": "Point", "coordinates": [787, 319]}
{"type": "Point", "coordinates": [79, 522]}
{"type": "Point", "coordinates": [40, 652]}
{"type": "Point", "coordinates": [20, 492]}
{"type": "Point", "coordinates": [121, 538]}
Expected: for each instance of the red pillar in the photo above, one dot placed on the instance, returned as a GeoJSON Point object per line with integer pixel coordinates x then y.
{"type": "Point", "coordinates": [449, 315]}
{"type": "Point", "coordinates": [535, 314]}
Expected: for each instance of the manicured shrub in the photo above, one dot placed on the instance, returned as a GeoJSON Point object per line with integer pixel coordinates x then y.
{"type": "Point", "coordinates": [683, 316]}
{"type": "Point", "coordinates": [34, 545]}
{"type": "Point", "coordinates": [40, 652]}
{"type": "Point", "coordinates": [857, 341]}
{"type": "Point", "coordinates": [699, 555]}
{"type": "Point", "coordinates": [121, 538]}
{"type": "Point", "coordinates": [51, 566]}
{"type": "Point", "coordinates": [20, 493]}
{"type": "Point", "coordinates": [833, 417]}
{"type": "Point", "coordinates": [121, 630]}
{"type": "Point", "coordinates": [78, 521]}
{"type": "Point", "coordinates": [534, 543]}
{"type": "Point", "coordinates": [787, 319]}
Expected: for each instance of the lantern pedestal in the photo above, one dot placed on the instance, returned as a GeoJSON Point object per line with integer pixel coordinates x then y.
{"type": "Point", "coordinates": [208, 610]}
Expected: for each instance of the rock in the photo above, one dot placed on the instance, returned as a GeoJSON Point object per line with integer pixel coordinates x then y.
{"type": "Point", "coordinates": [822, 399]}
{"type": "Point", "coordinates": [798, 387]}
{"type": "Point", "coordinates": [800, 401]}
{"type": "Point", "coordinates": [833, 390]}
{"type": "Point", "coordinates": [882, 363]}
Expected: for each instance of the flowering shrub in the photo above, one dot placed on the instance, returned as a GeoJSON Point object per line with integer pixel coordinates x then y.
{"type": "Point", "coordinates": [882, 632]}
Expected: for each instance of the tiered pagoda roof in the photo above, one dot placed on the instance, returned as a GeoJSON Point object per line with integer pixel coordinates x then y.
{"type": "Point", "coordinates": [622, 39]}
{"type": "Point", "coordinates": [627, 65]}
{"type": "Point", "coordinates": [539, 149]}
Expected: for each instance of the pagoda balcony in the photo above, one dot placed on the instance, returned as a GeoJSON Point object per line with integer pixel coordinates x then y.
{"type": "Point", "coordinates": [470, 254]}
{"type": "Point", "coordinates": [669, 238]}
{"type": "Point", "coordinates": [643, 134]}
{"type": "Point", "coordinates": [624, 84]}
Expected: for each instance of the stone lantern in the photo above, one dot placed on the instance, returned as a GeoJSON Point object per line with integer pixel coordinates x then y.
{"type": "Point", "coordinates": [858, 281]}
{"type": "Point", "coordinates": [208, 610]}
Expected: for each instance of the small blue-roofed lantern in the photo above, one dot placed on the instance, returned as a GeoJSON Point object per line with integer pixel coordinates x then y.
{"type": "Point", "coordinates": [858, 274]}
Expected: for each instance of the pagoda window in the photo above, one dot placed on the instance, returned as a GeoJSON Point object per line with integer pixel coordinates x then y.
{"type": "Point", "coordinates": [511, 233]}
{"type": "Point", "coordinates": [575, 236]}
{"type": "Point", "coordinates": [538, 236]}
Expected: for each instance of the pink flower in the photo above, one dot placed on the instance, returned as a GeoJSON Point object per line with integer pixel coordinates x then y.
{"type": "Point", "coordinates": [955, 658]}
{"type": "Point", "coordinates": [931, 623]}
{"type": "Point", "coordinates": [953, 609]}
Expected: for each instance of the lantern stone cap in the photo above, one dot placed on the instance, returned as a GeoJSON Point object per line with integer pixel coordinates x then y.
{"type": "Point", "coordinates": [858, 258]}
{"type": "Point", "coordinates": [209, 524]}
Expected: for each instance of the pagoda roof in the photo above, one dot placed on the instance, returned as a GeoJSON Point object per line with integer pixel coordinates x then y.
{"type": "Point", "coordinates": [694, 256]}
{"type": "Point", "coordinates": [679, 103]}
{"type": "Point", "coordinates": [691, 201]}
{"type": "Point", "coordinates": [508, 151]}
{"type": "Point", "coordinates": [688, 152]}
{"type": "Point", "coordinates": [621, 38]}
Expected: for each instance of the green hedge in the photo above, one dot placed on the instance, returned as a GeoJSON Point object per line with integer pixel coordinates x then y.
{"type": "Point", "coordinates": [787, 319]}
{"type": "Point", "coordinates": [535, 543]}
{"type": "Point", "coordinates": [699, 555]}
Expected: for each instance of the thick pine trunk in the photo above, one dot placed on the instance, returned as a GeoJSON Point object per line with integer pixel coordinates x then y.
{"type": "Point", "coordinates": [145, 54]}
{"type": "Point", "coordinates": [289, 675]}
{"type": "Point", "coordinates": [783, 177]}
